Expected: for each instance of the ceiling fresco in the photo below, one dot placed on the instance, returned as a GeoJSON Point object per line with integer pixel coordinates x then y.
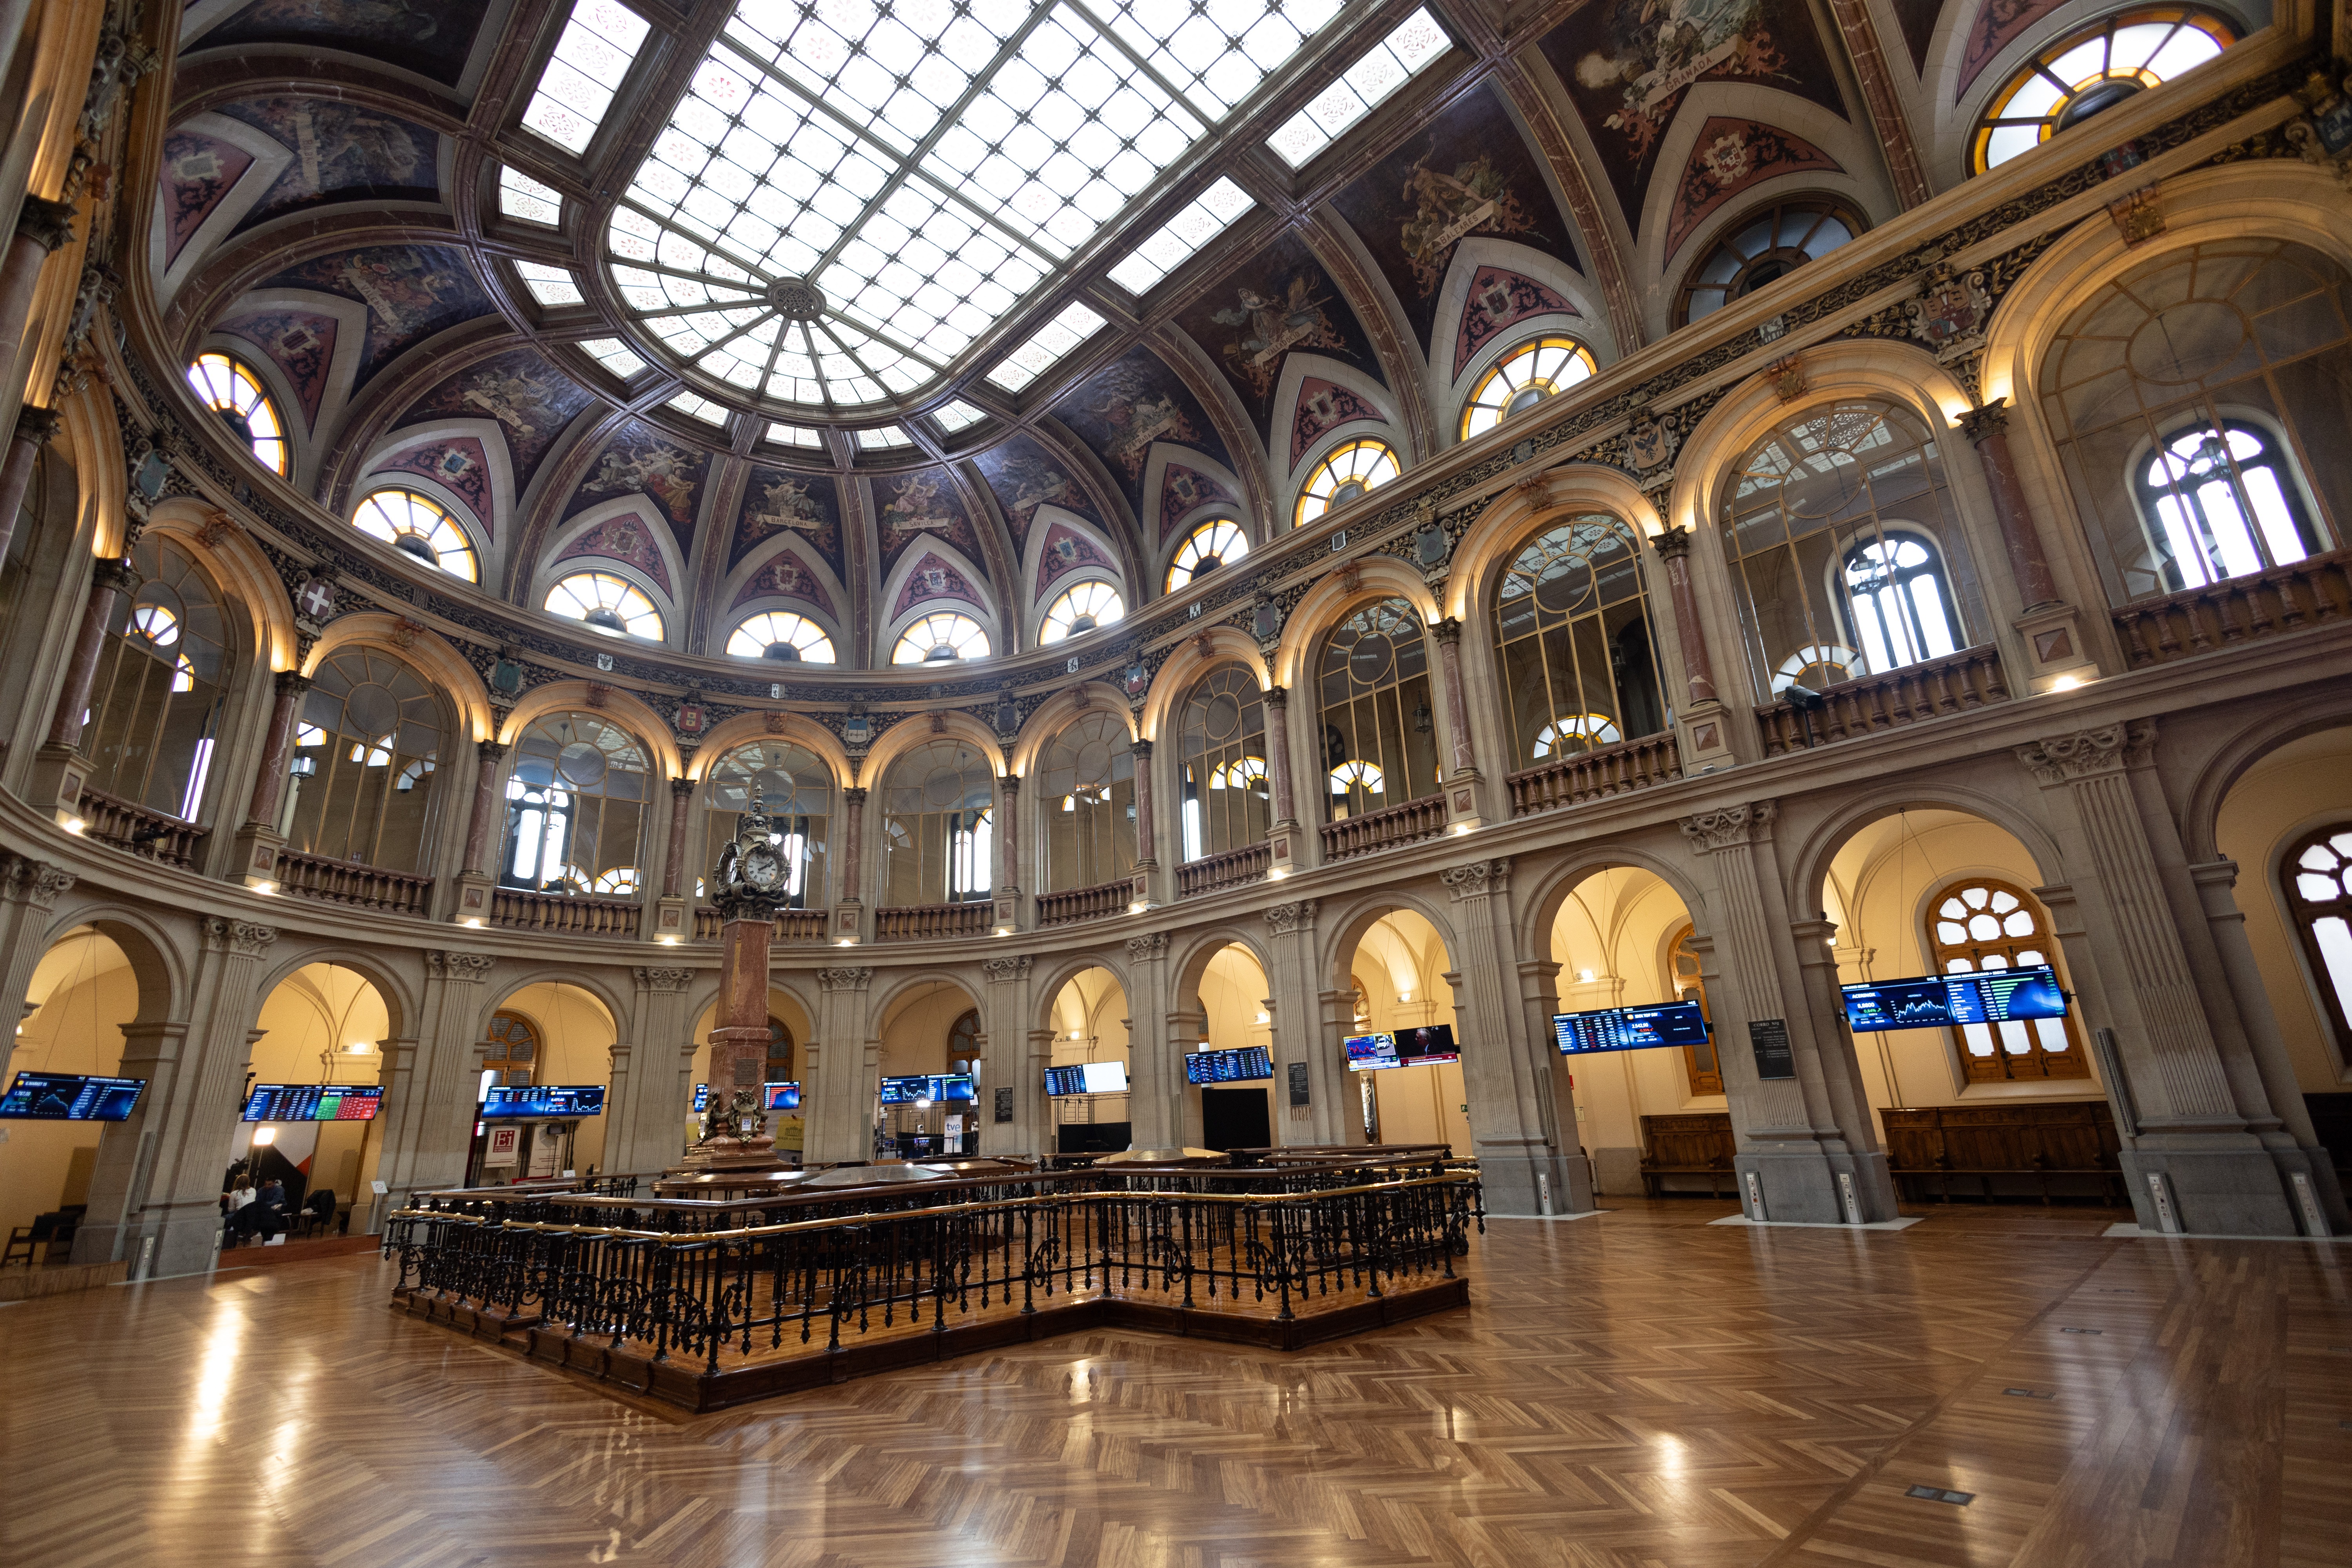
{"type": "Point", "coordinates": [533, 401]}
{"type": "Point", "coordinates": [339, 152]}
{"type": "Point", "coordinates": [1278, 303]}
{"type": "Point", "coordinates": [430, 37]}
{"type": "Point", "coordinates": [411, 291]}
{"type": "Point", "coordinates": [780, 504]}
{"type": "Point", "coordinates": [1132, 404]}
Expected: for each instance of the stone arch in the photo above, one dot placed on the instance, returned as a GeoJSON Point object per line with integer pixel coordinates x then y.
{"type": "Point", "coordinates": [244, 573]}
{"type": "Point", "coordinates": [1589, 323]}
{"type": "Point", "coordinates": [1189, 957]}
{"type": "Point", "coordinates": [623, 706]}
{"type": "Point", "coordinates": [1061, 970]}
{"type": "Point", "coordinates": [605, 992]}
{"type": "Point", "coordinates": [399, 995]}
{"type": "Point", "coordinates": [1336, 592]}
{"type": "Point", "coordinates": [1516, 514]}
{"type": "Point", "coordinates": [1295, 475]}
{"type": "Point", "coordinates": [1187, 663]}
{"type": "Point", "coordinates": [2220, 770]}
{"type": "Point", "coordinates": [426, 651]}
{"type": "Point", "coordinates": [1809, 861]}
{"type": "Point", "coordinates": [745, 728]}
{"type": "Point", "coordinates": [158, 964]}
{"type": "Point", "coordinates": [1340, 932]}
{"type": "Point", "coordinates": [1056, 714]}
{"type": "Point", "coordinates": [890, 992]}
{"type": "Point", "coordinates": [1548, 888]}
{"type": "Point", "coordinates": [913, 729]}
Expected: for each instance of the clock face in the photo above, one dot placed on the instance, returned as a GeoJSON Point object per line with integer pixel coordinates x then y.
{"type": "Point", "coordinates": [763, 868]}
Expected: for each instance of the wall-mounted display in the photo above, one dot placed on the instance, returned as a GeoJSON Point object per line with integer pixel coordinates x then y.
{"type": "Point", "coordinates": [70, 1097]}
{"type": "Point", "coordinates": [313, 1102]}
{"type": "Point", "coordinates": [1631, 1028]}
{"type": "Point", "coordinates": [1933, 1001]}
{"type": "Point", "coordinates": [1086, 1077]}
{"type": "Point", "coordinates": [780, 1096]}
{"type": "Point", "coordinates": [544, 1101]}
{"type": "Point", "coordinates": [1404, 1049]}
{"type": "Point", "coordinates": [1240, 1065]}
{"type": "Point", "coordinates": [914, 1088]}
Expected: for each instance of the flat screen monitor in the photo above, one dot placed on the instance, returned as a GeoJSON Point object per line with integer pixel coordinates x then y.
{"type": "Point", "coordinates": [1086, 1077]}
{"type": "Point", "coordinates": [544, 1102]}
{"type": "Point", "coordinates": [1631, 1028]}
{"type": "Point", "coordinates": [1365, 1052]}
{"type": "Point", "coordinates": [1933, 1001]}
{"type": "Point", "coordinates": [917, 1087]}
{"type": "Point", "coordinates": [313, 1102]}
{"type": "Point", "coordinates": [70, 1097]}
{"type": "Point", "coordinates": [1429, 1044]}
{"type": "Point", "coordinates": [701, 1097]}
{"type": "Point", "coordinates": [1093, 1136]}
{"type": "Point", "coordinates": [1242, 1064]}
{"type": "Point", "coordinates": [780, 1096]}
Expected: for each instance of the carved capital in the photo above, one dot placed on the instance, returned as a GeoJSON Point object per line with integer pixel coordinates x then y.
{"type": "Point", "coordinates": [467, 968]}
{"type": "Point", "coordinates": [1285, 917]}
{"type": "Point", "coordinates": [2109, 749]}
{"type": "Point", "coordinates": [241, 937]}
{"type": "Point", "coordinates": [292, 683]}
{"type": "Point", "coordinates": [854, 795]}
{"type": "Point", "coordinates": [1673, 545]}
{"type": "Point", "coordinates": [1449, 632]}
{"type": "Point", "coordinates": [845, 979]}
{"type": "Point", "coordinates": [492, 753]}
{"type": "Point", "coordinates": [37, 425]}
{"type": "Point", "coordinates": [670, 980]}
{"type": "Point", "coordinates": [35, 882]}
{"type": "Point", "coordinates": [47, 224]}
{"type": "Point", "coordinates": [682, 789]}
{"type": "Point", "coordinates": [1712, 830]}
{"type": "Point", "coordinates": [1278, 697]}
{"type": "Point", "coordinates": [1001, 971]}
{"type": "Point", "coordinates": [1139, 750]}
{"type": "Point", "coordinates": [1144, 949]}
{"type": "Point", "coordinates": [116, 576]}
{"type": "Point", "coordinates": [1981, 425]}
{"type": "Point", "coordinates": [1477, 879]}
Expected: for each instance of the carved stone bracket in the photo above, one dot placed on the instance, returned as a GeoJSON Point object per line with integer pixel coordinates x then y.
{"type": "Point", "coordinates": [668, 980]}
{"type": "Point", "coordinates": [1711, 830]}
{"type": "Point", "coordinates": [34, 882]}
{"type": "Point", "coordinates": [845, 979]}
{"type": "Point", "coordinates": [1147, 949]}
{"type": "Point", "coordinates": [1282, 919]}
{"type": "Point", "coordinates": [1003, 971]}
{"type": "Point", "coordinates": [2110, 748]}
{"type": "Point", "coordinates": [241, 937]}
{"type": "Point", "coordinates": [465, 968]}
{"type": "Point", "coordinates": [1478, 879]}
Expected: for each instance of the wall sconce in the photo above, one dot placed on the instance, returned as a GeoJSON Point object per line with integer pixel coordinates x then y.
{"type": "Point", "coordinates": [1586, 975]}
{"type": "Point", "coordinates": [1404, 996]}
{"type": "Point", "coordinates": [1264, 1018]}
{"type": "Point", "coordinates": [359, 1048]}
{"type": "Point", "coordinates": [1420, 716]}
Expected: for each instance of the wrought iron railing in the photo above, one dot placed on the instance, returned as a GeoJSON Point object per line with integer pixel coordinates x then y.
{"type": "Point", "coordinates": [1384, 829]}
{"type": "Point", "coordinates": [566, 912]}
{"type": "Point", "coordinates": [915, 922]}
{"type": "Point", "coordinates": [139, 830]}
{"type": "Point", "coordinates": [1084, 903]}
{"type": "Point", "coordinates": [1595, 774]}
{"type": "Point", "coordinates": [350, 882]}
{"type": "Point", "coordinates": [1956, 683]}
{"type": "Point", "coordinates": [792, 925]}
{"type": "Point", "coordinates": [1233, 869]}
{"type": "Point", "coordinates": [2286, 598]}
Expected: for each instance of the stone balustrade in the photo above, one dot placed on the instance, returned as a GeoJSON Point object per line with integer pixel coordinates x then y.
{"type": "Point", "coordinates": [2311, 591]}
{"type": "Point", "coordinates": [139, 830]}
{"type": "Point", "coordinates": [1076, 904]}
{"type": "Point", "coordinates": [515, 910]}
{"type": "Point", "coordinates": [1384, 829]}
{"type": "Point", "coordinates": [1913, 694]}
{"type": "Point", "coordinates": [917, 923]}
{"type": "Point", "coordinates": [1596, 774]}
{"type": "Point", "coordinates": [352, 883]}
{"type": "Point", "coordinates": [1233, 869]}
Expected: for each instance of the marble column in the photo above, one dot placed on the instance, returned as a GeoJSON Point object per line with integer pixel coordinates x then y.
{"type": "Point", "coordinates": [489, 754]}
{"type": "Point", "coordinates": [269, 782]}
{"type": "Point", "coordinates": [1298, 1030]}
{"type": "Point", "coordinates": [1009, 1062]}
{"type": "Point", "coordinates": [852, 888]}
{"type": "Point", "coordinates": [681, 808]}
{"type": "Point", "coordinates": [1555, 1089]}
{"type": "Point", "coordinates": [1277, 755]}
{"type": "Point", "coordinates": [35, 429]}
{"type": "Point", "coordinates": [1147, 839]}
{"type": "Point", "coordinates": [652, 1089]}
{"type": "Point", "coordinates": [1008, 851]}
{"type": "Point", "coordinates": [110, 581]}
{"type": "Point", "coordinates": [1155, 1071]}
{"type": "Point", "coordinates": [1699, 667]}
{"type": "Point", "coordinates": [1462, 759]}
{"type": "Point", "coordinates": [1986, 429]}
{"type": "Point", "coordinates": [43, 227]}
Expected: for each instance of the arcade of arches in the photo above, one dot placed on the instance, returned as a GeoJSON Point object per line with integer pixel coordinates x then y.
{"type": "Point", "coordinates": [1443, 516]}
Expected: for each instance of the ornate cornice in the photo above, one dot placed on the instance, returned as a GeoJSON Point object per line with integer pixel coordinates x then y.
{"type": "Point", "coordinates": [1477, 879]}
{"type": "Point", "coordinates": [2111, 747]}
{"type": "Point", "coordinates": [1733, 825]}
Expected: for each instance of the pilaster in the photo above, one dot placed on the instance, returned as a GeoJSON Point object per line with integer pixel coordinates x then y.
{"type": "Point", "coordinates": [28, 895]}
{"type": "Point", "coordinates": [1555, 1091]}
{"type": "Point", "coordinates": [432, 1088]}
{"type": "Point", "coordinates": [835, 1088]}
{"type": "Point", "coordinates": [1290, 942]}
{"type": "Point", "coordinates": [1004, 1019]}
{"type": "Point", "coordinates": [1155, 1056]}
{"type": "Point", "coordinates": [651, 1086]}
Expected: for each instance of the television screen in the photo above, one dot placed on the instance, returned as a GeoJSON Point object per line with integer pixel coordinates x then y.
{"type": "Point", "coordinates": [782, 1095]}
{"type": "Point", "coordinates": [1365, 1052]}
{"type": "Point", "coordinates": [313, 1102]}
{"type": "Point", "coordinates": [1430, 1043]}
{"type": "Point", "coordinates": [912, 1088]}
{"type": "Point", "coordinates": [1240, 1065]}
{"type": "Point", "coordinates": [544, 1102]}
{"type": "Point", "coordinates": [1631, 1028]}
{"type": "Point", "coordinates": [1932, 1001]}
{"type": "Point", "coordinates": [1086, 1077]}
{"type": "Point", "coordinates": [701, 1097]}
{"type": "Point", "coordinates": [70, 1096]}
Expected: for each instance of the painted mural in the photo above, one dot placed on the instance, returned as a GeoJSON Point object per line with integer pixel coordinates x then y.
{"type": "Point", "coordinates": [431, 37]}
{"type": "Point", "coordinates": [909, 506]}
{"type": "Point", "coordinates": [1629, 64]}
{"type": "Point", "coordinates": [1277, 303]}
{"type": "Point", "coordinates": [1024, 476]}
{"type": "Point", "coordinates": [1324, 407]}
{"type": "Point", "coordinates": [1732, 155]}
{"type": "Point", "coordinates": [300, 344]}
{"type": "Point", "coordinates": [1184, 490]}
{"type": "Point", "coordinates": [806, 506]}
{"type": "Point", "coordinates": [532, 400]}
{"type": "Point", "coordinates": [412, 292]}
{"type": "Point", "coordinates": [1065, 551]}
{"type": "Point", "coordinates": [1996, 25]}
{"type": "Point", "coordinates": [790, 576]}
{"type": "Point", "coordinates": [1470, 173]}
{"type": "Point", "coordinates": [934, 578]}
{"type": "Point", "coordinates": [342, 152]}
{"type": "Point", "coordinates": [625, 537]}
{"type": "Point", "coordinates": [1498, 301]}
{"type": "Point", "coordinates": [197, 172]}
{"type": "Point", "coordinates": [459, 464]}
{"type": "Point", "coordinates": [1124, 408]}
{"type": "Point", "coordinates": [638, 460]}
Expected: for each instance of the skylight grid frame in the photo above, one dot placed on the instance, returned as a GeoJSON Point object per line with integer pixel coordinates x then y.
{"type": "Point", "coordinates": [1371, 79]}
{"type": "Point", "coordinates": [590, 59]}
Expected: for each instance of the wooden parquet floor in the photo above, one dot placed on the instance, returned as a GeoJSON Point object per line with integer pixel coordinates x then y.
{"type": "Point", "coordinates": [1636, 1389]}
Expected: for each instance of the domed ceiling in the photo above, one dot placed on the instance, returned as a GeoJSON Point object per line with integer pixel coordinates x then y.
{"type": "Point", "coordinates": [864, 310]}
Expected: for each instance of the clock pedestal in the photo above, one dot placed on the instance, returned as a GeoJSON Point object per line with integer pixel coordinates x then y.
{"type": "Point", "coordinates": [748, 890]}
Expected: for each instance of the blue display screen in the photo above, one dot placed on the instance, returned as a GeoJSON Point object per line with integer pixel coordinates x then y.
{"type": "Point", "coordinates": [934, 1086]}
{"type": "Point", "coordinates": [313, 1102]}
{"type": "Point", "coordinates": [1242, 1064]}
{"type": "Point", "coordinates": [1086, 1077]}
{"type": "Point", "coordinates": [780, 1096]}
{"type": "Point", "coordinates": [544, 1101]}
{"type": "Point", "coordinates": [1629, 1028]}
{"type": "Point", "coordinates": [1935, 1001]}
{"type": "Point", "coordinates": [70, 1097]}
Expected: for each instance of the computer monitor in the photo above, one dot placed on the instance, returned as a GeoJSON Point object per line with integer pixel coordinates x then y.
{"type": "Point", "coordinates": [70, 1097]}
{"type": "Point", "coordinates": [913, 1088]}
{"type": "Point", "coordinates": [1086, 1077]}
{"type": "Point", "coordinates": [1430, 1043]}
{"type": "Point", "coordinates": [1629, 1028]}
{"type": "Point", "coordinates": [1935, 1000]}
{"type": "Point", "coordinates": [780, 1096]}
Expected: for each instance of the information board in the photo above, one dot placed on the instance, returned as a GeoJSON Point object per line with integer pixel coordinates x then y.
{"type": "Point", "coordinates": [543, 1103]}
{"type": "Point", "coordinates": [70, 1097]}
{"type": "Point", "coordinates": [1086, 1077]}
{"type": "Point", "coordinates": [313, 1102]}
{"type": "Point", "coordinates": [1768, 1039]}
{"type": "Point", "coordinates": [1241, 1063]}
{"type": "Point", "coordinates": [913, 1088]}
{"type": "Point", "coordinates": [1629, 1028]}
{"type": "Point", "coordinates": [1935, 1000]}
{"type": "Point", "coordinates": [780, 1096]}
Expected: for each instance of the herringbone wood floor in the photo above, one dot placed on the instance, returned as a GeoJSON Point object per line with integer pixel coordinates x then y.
{"type": "Point", "coordinates": [1634, 1390]}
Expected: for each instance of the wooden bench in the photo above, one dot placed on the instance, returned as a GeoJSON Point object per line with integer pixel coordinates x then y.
{"type": "Point", "coordinates": [1699, 1143]}
{"type": "Point", "coordinates": [2025, 1144]}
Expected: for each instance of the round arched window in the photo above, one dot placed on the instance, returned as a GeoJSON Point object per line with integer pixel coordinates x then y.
{"type": "Point", "coordinates": [2090, 72]}
{"type": "Point", "coordinates": [419, 526]}
{"type": "Point", "coordinates": [612, 605]}
{"type": "Point", "coordinates": [1343, 476]}
{"type": "Point", "coordinates": [1086, 607]}
{"type": "Point", "coordinates": [575, 808]}
{"type": "Point", "coordinates": [782, 636]}
{"type": "Point", "coordinates": [1762, 248]}
{"type": "Point", "coordinates": [1523, 378]}
{"type": "Point", "coordinates": [1214, 543]}
{"type": "Point", "coordinates": [230, 389]}
{"type": "Point", "coordinates": [941, 638]}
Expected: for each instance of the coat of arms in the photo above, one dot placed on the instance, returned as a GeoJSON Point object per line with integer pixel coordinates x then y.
{"type": "Point", "coordinates": [1949, 313]}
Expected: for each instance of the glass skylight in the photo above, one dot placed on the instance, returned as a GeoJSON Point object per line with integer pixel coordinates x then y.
{"type": "Point", "coordinates": [851, 193]}
{"type": "Point", "coordinates": [795, 435]}
{"type": "Point", "coordinates": [958, 416]}
{"type": "Point", "coordinates": [615, 357]}
{"type": "Point", "coordinates": [1386, 66]}
{"type": "Point", "coordinates": [886, 439]}
{"type": "Point", "coordinates": [521, 196]}
{"type": "Point", "coordinates": [1057, 336]}
{"type": "Point", "coordinates": [701, 409]}
{"type": "Point", "coordinates": [1208, 217]}
{"type": "Point", "coordinates": [590, 59]}
{"type": "Point", "coordinates": [548, 285]}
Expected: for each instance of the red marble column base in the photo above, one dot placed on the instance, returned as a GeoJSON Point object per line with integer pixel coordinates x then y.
{"type": "Point", "coordinates": [738, 1059]}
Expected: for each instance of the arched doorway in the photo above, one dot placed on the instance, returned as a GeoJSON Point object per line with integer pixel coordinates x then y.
{"type": "Point", "coordinates": [1089, 1024]}
{"type": "Point", "coordinates": [539, 1041]}
{"type": "Point", "coordinates": [790, 1030]}
{"type": "Point", "coordinates": [322, 1027]}
{"type": "Point", "coordinates": [83, 991]}
{"type": "Point", "coordinates": [1230, 1011]}
{"type": "Point", "coordinates": [928, 1032]}
{"type": "Point", "coordinates": [1398, 995]}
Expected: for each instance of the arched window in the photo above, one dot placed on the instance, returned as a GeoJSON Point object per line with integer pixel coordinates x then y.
{"type": "Point", "coordinates": [612, 605]}
{"type": "Point", "coordinates": [1523, 378]}
{"type": "Point", "coordinates": [1343, 476]}
{"type": "Point", "coordinates": [576, 808]}
{"type": "Point", "coordinates": [2318, 877]}
{"type": "Point", "coordinates": [1705, 1067]}
{"type": "Point", "coordinates": [155, 709]}
{"type": "Point", "coordinates": [1764, 247]}
{"type": "Point", "coordinates": [938, 820]}
{"type": "Point", "coordinates": [941, 638]}
{"type": "Point", "coordinates": [510, 1056]}
{"type": "Point", "coordinates": [780, 1053]}
{"type": "Point", "coordinates": [782, 636]}
{"type": "Point", "coordinates": [1572, 631]}
{"type": "Point", "coordinates": [1380, 739]}
{"type": "Point", "coordinates": [230, 389]}
{"type": "Point", "coordinates": [1216, 542]}
{"type": "Point", "coordinates": [1977, 923]}
{"type": "Point", "coordinates": [1842, 535]}
{"type": "Point", "coordinates": [364, 755]}
{"type": "Point", "coordinates": [2196, 403]}
{"type": "Point", "coordinates": [419, 526]}
{"type": "Point", "coordinates": [1085, 789]}
{"type": "Point", "coordinates": [2092, 70]}
{"type": "Point", "coordinates": [963, 1038]}
{"type": "Point", "coordinates": [1085, 608]}
{"type": "Point", "coordinates": [1223, 745]}
{"type": "Point", "coordinates": [796, 791]}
